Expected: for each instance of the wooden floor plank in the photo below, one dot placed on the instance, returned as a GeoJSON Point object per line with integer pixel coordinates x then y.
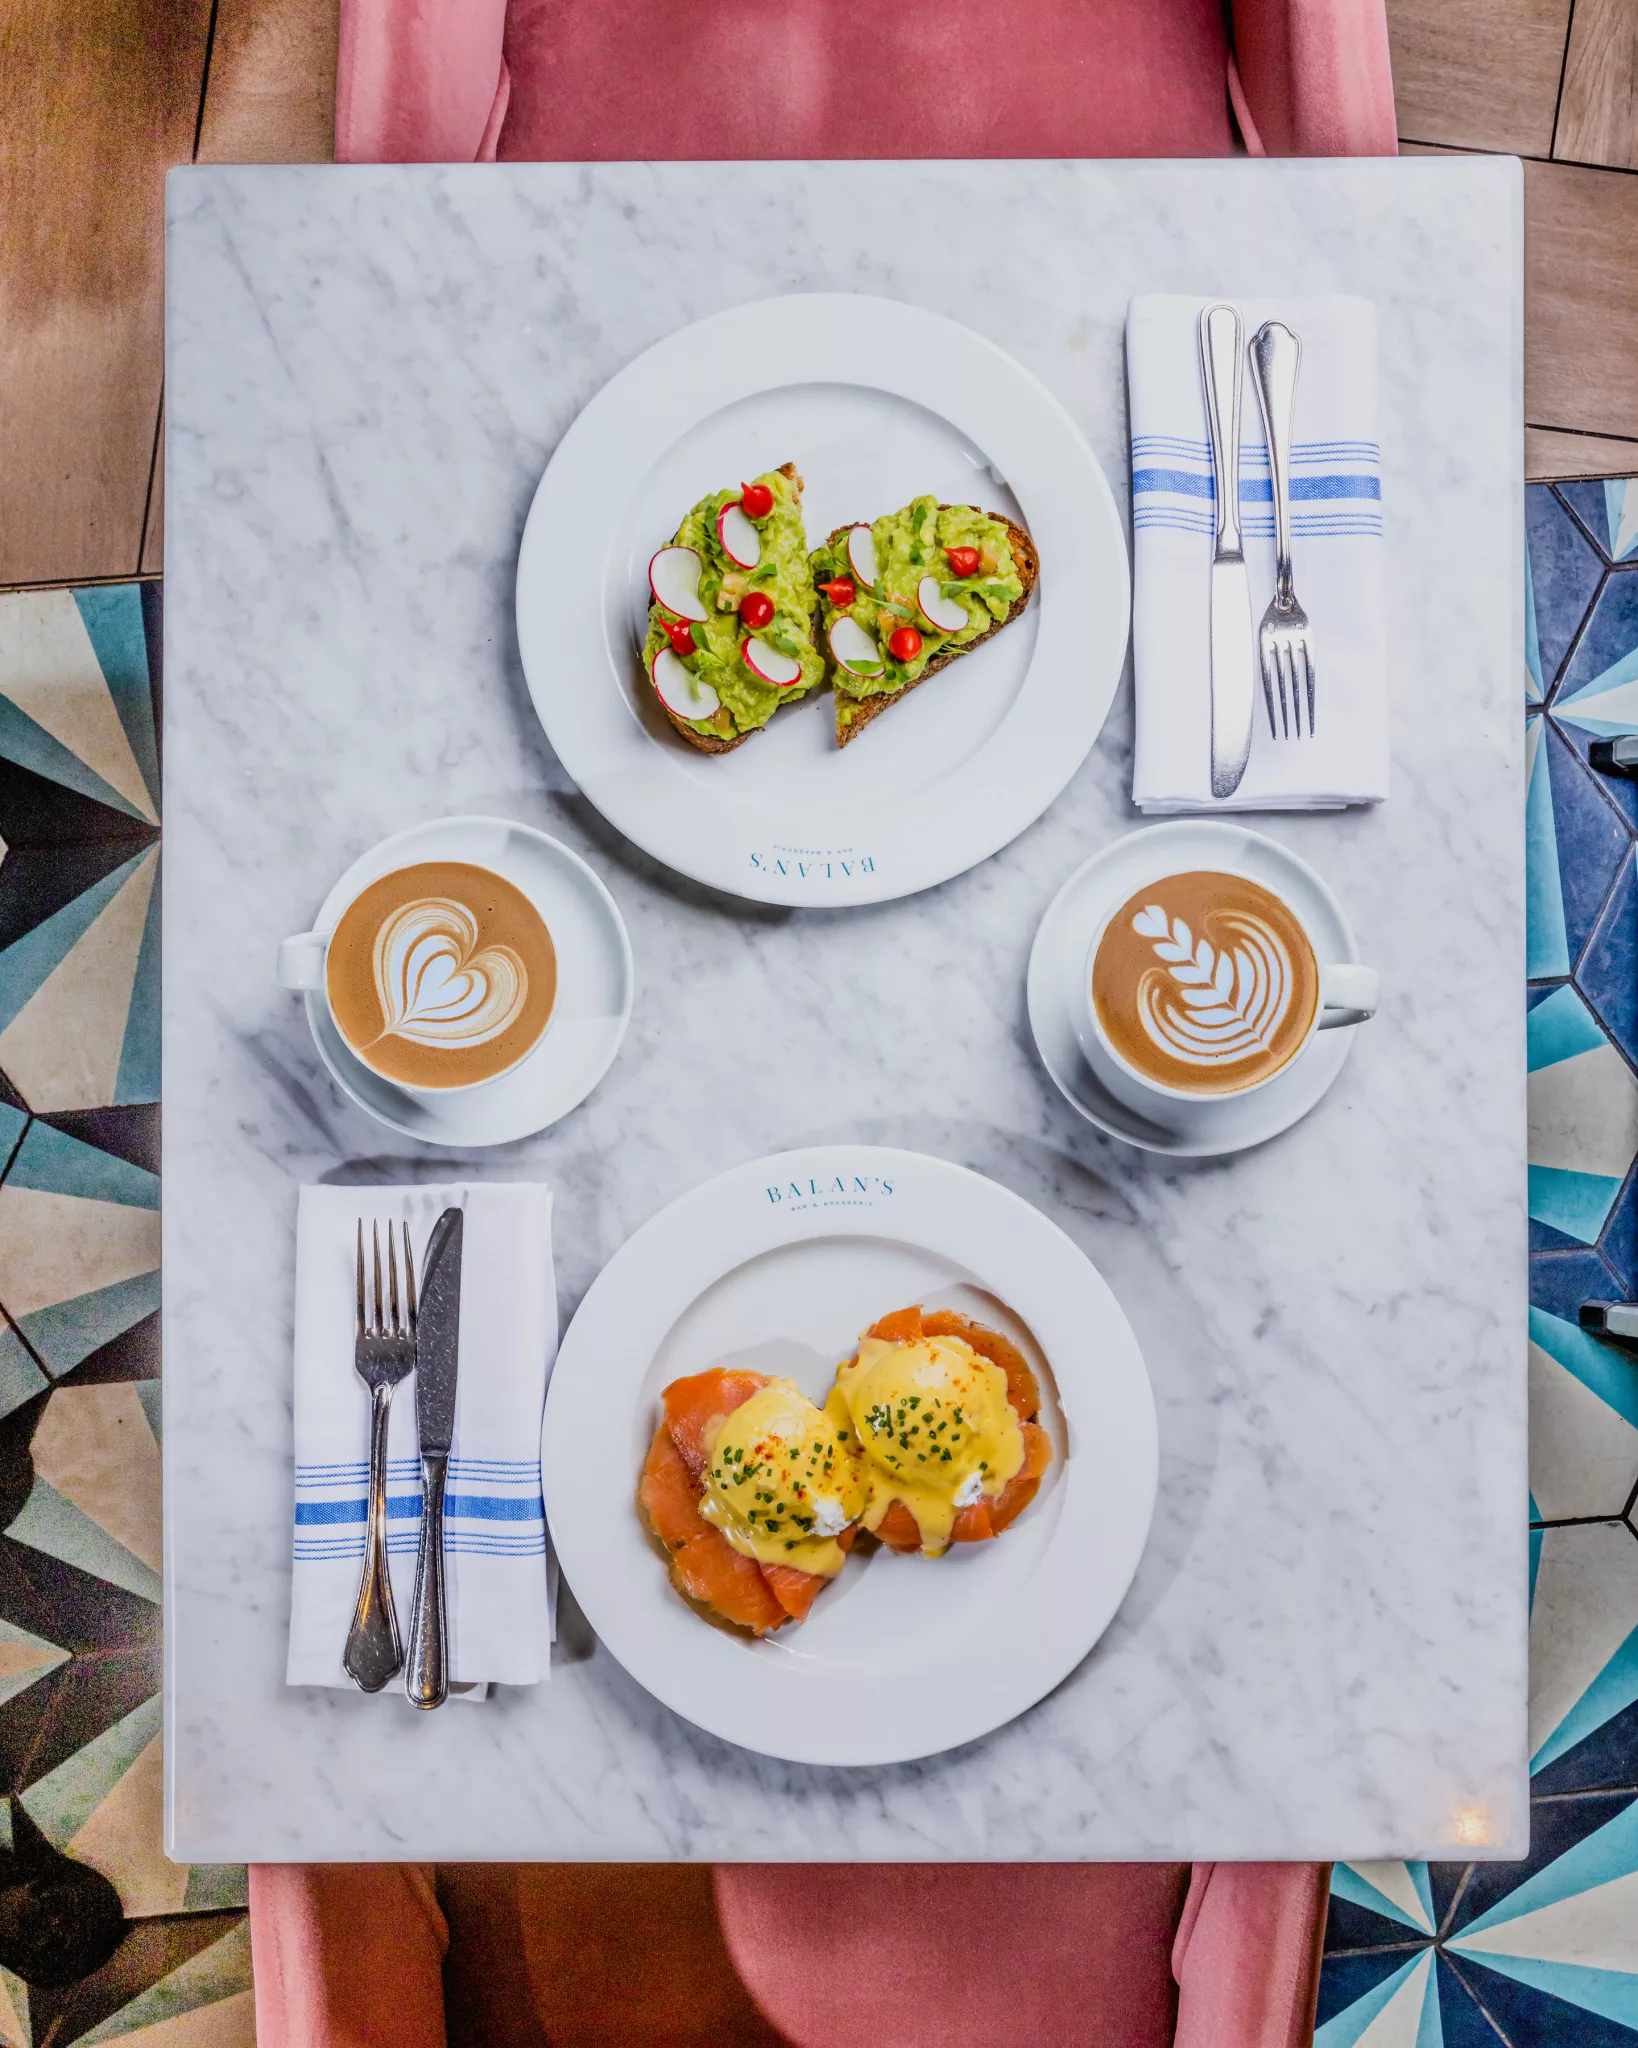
{"type": "Point", "coordinates": [153, 526]}
{"type": "Point", "coordinates": [1581, 299]}
{"type": "Point", "coordinates": [1549, 455]}
{"type": "Point", "coordinates": [1479, 74]}
{"type": "Point", "coordinates": [271, 96]}
{"type": "Point", "coordinates": [102, 96]}
{"type": "Point", "coordinates": [1598, 116]}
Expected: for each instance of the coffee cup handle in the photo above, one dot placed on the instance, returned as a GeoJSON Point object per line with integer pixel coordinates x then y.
{"type": "Point", "coordinates": [1348, 994]}
{"type": "Point", "coordinates": [301, 960]}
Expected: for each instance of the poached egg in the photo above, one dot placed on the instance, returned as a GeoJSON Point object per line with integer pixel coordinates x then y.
{"type": "Point", "coordinates": [932, 1426]}
{"type": "Point", "coordinates": [780, 1482]}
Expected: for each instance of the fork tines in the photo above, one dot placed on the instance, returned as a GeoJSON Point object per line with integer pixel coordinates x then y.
{"type": "Point", "coordinates": [1287, 665]}
{"type": "Point", "coordinates": [391, 1321]}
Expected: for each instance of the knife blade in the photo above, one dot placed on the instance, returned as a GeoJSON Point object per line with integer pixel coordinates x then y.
{"type": "Point", "coordinates": [1232, 683]}
{"type": "Point", "coordinates": [437, 1364]}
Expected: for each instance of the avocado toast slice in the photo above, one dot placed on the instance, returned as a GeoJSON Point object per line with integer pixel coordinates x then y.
{"type": "Point", "coordinates": [730, 627]}
{"type": "Point", "coordinates": [975, 570]}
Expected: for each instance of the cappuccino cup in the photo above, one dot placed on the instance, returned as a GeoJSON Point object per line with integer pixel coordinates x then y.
{"type": "Point", "coordinates": [1205, 986]}
{"type": "Point", "coordinates": [439, 976]}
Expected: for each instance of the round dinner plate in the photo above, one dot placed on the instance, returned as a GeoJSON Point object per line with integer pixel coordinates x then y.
{"type": "Point", "coordinates": [1056, 985]}
{"type": "Point", "coordinates": [776, 1267]}
{"type": "Point", "coordinates": [595, 985]}
{"type": "Point", "coordinates": [875, 402]}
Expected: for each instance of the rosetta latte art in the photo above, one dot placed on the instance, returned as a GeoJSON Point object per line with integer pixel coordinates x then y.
{"type": "Point", "coordinates": [436, 987]}
{"type": "Point", "coordinates": [1214, 1005]}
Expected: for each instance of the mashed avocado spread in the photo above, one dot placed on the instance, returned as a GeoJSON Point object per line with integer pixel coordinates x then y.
{"type": "Point", "coordinates": [747, 701]}
{"type": "Point", "coordinates": [911, 544]}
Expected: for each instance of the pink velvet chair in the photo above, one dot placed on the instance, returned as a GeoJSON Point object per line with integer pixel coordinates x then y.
{"type": "Point", "coordinates": [1136, 1955]}
{"type": "Point", "coordinates": [1120, 1955]}
{"type": "Point", "coordinates": [569, 81]}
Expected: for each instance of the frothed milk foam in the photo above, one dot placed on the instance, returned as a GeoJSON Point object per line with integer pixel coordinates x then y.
{"type": "Point", "coordinates": [441, 974]}
{"type": "Point", "coordinates": [1205, 982]}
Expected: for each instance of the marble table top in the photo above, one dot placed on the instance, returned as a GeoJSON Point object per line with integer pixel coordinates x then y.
{"type": "Point", "coordinates": [1323, 1653]}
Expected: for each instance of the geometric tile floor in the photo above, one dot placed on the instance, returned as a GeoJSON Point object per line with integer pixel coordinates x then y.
{"type": "Point", "coordinates": [1544, 1954]}
{"type": "Point", "coordinates": [163, 1959]}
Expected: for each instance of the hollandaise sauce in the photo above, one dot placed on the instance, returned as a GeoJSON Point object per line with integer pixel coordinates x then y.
{"type": "Point", "coordinates": [933, 1427]}
{"type": "Point", "coordinates": [780, 1482]}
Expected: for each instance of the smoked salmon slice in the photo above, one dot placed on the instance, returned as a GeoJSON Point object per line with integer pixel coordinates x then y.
{"type": "Point", "coordinates": [986, 1518]}
{"type": "Point", "coordinates": [695, 1407]}
{"type": "Point", "coordinates": [704, 1565]}
{"type": "Point", "coordinates": [903, 1326]}
{"type": "Point", "coordinates": [669, 1493]}
{"type": "Point", "coordinates": [710, 1570]}
{"type": "Point", "coordinates": [899, 1529]}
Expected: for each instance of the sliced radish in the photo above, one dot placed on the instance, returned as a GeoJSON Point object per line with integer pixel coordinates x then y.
{"type": "Point", "coordinates": [740, 540]}
{"type": "Point", "coordinates": [674, 578]}
{"type": "Point", "coordinates": [771, 664]}
{"type": "Point", "coordinates": [948, 614]}
{"type": "Point", "coordinates": [854, 648]}
{"type": "Point", "coordinates": [861, 552]}
{"type": "Point", "coordinates": [680, 689]}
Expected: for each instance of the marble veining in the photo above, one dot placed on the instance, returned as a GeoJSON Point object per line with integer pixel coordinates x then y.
{"type": "Point", "coordinates": [1323, 1654]}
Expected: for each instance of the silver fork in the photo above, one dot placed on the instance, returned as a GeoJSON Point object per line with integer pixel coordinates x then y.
{"type": "Point", "coordinates": [1285, 641]}
{"type": "Point", "coordinates": [383, 1354]}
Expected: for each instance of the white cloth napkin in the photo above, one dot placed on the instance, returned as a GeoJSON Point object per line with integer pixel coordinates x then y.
{"type": "Point", "coordinates": [499, 1599]}
{"type": "Point", "coordinates": [1336, 552]}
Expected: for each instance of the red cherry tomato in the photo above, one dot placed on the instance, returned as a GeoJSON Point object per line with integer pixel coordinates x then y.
{"type": "Point", "coordinates": [681, 635]}
{"type": "Point", "coordinates": [755, 500]}
{"type": "Point", "coordinates": [840, 591]}
{"type": "Point", "coordinates": [963, 561]}
{"type": "Point", "coordinates": [756, 608]}
{"type": "Point", "coordinates": [905, 644]}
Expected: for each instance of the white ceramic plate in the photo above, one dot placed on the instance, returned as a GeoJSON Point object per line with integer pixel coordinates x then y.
{"type": "Point", "coordinates": [777, 1266]}
{"type": "Point", "coordinates": [1057, 973]}
{"type": "Point", "coordinates": [595, 984]}
{"type": "Point", "coordinates": [874, 401]}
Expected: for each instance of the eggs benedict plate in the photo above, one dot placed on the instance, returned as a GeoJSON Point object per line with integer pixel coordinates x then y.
{"type": "Point", "coordinates": [849, 1456]}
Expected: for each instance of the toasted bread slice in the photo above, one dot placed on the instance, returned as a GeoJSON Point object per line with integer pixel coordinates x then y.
{"type": "Point", "coordinates": [853, 714]}
{"type": "Point", "coordinates": [709, 743]}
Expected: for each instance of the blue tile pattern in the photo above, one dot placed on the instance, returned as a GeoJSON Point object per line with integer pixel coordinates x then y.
{"type": "Point", "coordinates": [100, 1937]}
{"type": "Point", "coordinates": [1544, 1954]}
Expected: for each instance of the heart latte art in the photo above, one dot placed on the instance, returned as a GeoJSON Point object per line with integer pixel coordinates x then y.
{"type": "Point", "coordinates": [1205, 982]}
{"type": "Point", "coordinates": [441, 975]}
{"type": "Point", "coordinates": [436, 986]}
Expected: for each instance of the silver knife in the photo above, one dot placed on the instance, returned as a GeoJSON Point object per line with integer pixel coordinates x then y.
{"type": "Point", "coordinates": [1221, 358]}
{"type": "Point", "coordinates": [437, 1359]}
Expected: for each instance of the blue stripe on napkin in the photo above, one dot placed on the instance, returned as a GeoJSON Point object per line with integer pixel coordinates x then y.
{"type": "Point", "coordinates": [532, 1544]}
{"type": "Point", "coordinates": [1183, 521]}
{"type": "Point", "coordinates": [402, 1507]}
{"type": "Point", "coordinates": [1304, 454]}
{"type": "Point", "coordinates": [1255, 490]}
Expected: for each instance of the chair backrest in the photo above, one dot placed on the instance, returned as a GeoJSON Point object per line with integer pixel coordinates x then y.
{"type": "Point", "coordinates": [425, 81]}
{"type": "Point", "coordinates": [865, 78]}
{"type": "Point", "coordinates": [958, 1956]}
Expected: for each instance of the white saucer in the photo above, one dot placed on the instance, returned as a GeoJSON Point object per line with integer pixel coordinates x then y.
{"type": "Point", "coordinates": [1057, 964]}
{"type": "Point", "coordinates": [594, 987]}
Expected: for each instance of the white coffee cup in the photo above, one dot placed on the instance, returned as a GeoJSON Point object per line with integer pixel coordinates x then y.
{"type": "Point", "coordinates": [1348, 993]}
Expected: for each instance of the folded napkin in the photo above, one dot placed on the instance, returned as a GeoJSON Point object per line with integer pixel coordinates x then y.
{"type": "Point", "coordinates": [499, 1604]}
{"type": "Point", "coordinates": [1336, 552]}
